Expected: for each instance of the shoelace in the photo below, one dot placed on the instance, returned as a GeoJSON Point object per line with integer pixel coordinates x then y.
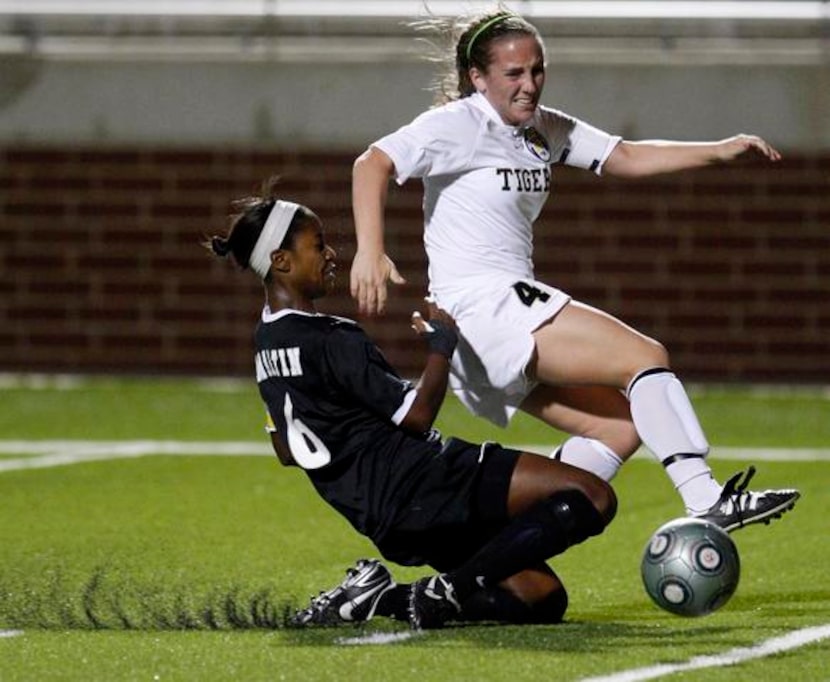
{"type": "Point", "coordinates": [734, 489]}
{"type": "Point", "coordinates": [446, 591]}
{"type": "Point", "coordinates": [324, 598]}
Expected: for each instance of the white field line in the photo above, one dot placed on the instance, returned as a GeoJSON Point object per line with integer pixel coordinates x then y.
{"type": "Point", "coordinates": [5, 634]}
{"type": "Point", "coordinates": [793, 640]}
{"type": "Point", "coordinates": [52, 453]}
{"type": "Point", "coordinates": [43, 454]}
{"type": "Point", "coordinates": [720, 452]}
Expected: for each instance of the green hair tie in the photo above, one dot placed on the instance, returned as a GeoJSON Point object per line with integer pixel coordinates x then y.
{"type": "Point", "coordinates": [483, 28]}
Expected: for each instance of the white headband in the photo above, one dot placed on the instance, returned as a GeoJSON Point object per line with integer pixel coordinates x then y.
{"type": "Point", "coordinates": [271, 236]}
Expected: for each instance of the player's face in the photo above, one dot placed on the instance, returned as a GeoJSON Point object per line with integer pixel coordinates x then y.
{"type": "Point", "coordinates": [514, 80]}
{"type": "Point", "coordinates": [312, 261]}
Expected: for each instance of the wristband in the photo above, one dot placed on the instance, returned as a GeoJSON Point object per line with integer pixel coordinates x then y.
{"type": "Point", "coordinates": [441, 338]}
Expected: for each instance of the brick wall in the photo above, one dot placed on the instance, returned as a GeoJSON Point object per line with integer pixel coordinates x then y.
{"type": "Point", "coordinates": [101, 269]}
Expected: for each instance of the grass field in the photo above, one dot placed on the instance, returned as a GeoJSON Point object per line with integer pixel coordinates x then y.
{"type": "Point", "coordinates": [183, 566]}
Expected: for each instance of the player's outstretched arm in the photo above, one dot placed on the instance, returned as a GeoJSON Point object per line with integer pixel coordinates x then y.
{"type": "Point", "coordinates": [371, 268]}
{"type": "Point", "coordinates": [651, 157]}
{"type": "Point", "coordinates": [441, 337]}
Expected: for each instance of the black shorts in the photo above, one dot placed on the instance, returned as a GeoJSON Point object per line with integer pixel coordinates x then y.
{"type": "Point", "coordinates": [458, 505]}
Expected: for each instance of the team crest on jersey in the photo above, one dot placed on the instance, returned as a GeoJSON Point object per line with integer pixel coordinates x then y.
{"type": "Point", "coordinates": [536, 144]}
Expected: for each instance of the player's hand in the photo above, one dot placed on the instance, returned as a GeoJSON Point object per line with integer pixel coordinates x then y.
{"type": "Point", "coordinates": [439, 331]}
{"type": "Point", "coordinates": [738, 145]}
{"type": "Point", "coordinates": [369, 276]}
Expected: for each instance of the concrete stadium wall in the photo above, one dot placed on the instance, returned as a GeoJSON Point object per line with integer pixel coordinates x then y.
{"type": "Point", "coordinates": [343, 106]}
{"type": "Point", "coordinates": [101, 268]}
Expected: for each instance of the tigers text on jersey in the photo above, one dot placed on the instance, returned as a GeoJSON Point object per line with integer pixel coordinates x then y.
{"type": "Point", "coordinates": [486, 182]}
{"type": "Point", "coordinates": [336, 403]}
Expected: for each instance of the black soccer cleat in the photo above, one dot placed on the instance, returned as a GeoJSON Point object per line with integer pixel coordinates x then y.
{"type": "Point", "coordinates": [432, 603]}
{"type": "Point", "coordinates": [352, 601]}
{"type": "Point", "coordinates": [739, 507]}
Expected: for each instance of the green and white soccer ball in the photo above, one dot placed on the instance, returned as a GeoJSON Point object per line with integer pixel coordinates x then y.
{"type": "Point", "coordinates": [690, 567]}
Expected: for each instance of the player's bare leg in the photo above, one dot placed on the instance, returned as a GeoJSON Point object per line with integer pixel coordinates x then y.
{"type": "Point", "coordinates": [585, 346]}
{"type": "Point", "coordinates": [551, 506]}
{"type": "Point", "coordinates": [535, 595]}
{"type": "Point", "coordinates": [599, 419]}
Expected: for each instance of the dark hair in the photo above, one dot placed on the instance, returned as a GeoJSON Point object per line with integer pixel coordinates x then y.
{"type": "Point", "coordinates": [468, 41]}
{"type": "Point", "coordinates": [247, 221]}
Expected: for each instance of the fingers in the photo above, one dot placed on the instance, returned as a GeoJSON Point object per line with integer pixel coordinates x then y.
{"type": "Point", "coordinates": [439, 314]}
{"type": "Point", "coordinates": [376, 300]}
{"type": "Point", "coordinates": [740, 144]}
{"type": "Point", "coordinates": [420, 325]}
{"type": "Point", "coordinates": [761, 146]}
{"type": "Point", "coordinates": [766, 149]}
{"type": "Point", "coordinates": [369, 302]}
{"type": "Point", "coordinates": [368, 282]}
{"type": "Point", "coordinates": [394, 276]}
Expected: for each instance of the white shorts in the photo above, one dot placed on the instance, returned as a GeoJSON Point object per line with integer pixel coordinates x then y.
{"type": "Point", "coordinates": [496, 321]}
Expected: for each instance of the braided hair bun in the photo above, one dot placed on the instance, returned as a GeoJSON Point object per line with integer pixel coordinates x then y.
{"type": "Point", "coordinates": [220, 246]}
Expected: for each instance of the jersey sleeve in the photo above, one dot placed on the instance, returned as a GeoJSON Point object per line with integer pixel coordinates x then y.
{"type": "Point", "coordinates": [358, 367]}
{"type": "Point", "coordinates": [437, 142]}
{"type": "Point", "coordinates": [576, 143]}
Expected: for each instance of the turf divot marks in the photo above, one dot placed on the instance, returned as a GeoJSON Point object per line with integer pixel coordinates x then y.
{"type": "Point", "coordinates": [792, 640]}
{"type": "Point", "coordinates": [109, 599]}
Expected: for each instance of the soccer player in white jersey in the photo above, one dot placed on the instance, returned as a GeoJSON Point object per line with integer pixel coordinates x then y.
{"type": "Point", "coordinates": [485, 159]}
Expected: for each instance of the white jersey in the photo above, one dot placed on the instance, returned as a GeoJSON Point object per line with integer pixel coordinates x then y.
{"type": "Point", "coordinates": [485, 184]}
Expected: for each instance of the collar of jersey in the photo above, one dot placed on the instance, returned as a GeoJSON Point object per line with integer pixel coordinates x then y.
{"type": "Point", "coordinates": [482, 103]}
{"type": "Point", "coordinates": [268, 316]}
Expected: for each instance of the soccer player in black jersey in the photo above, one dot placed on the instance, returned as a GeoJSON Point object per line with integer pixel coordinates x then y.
{"type": "Point", "coordinates": [486, 518]}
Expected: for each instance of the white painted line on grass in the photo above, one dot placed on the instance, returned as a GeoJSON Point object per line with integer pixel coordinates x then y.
{"type": "Point", "coordinates": [717, 452]}
{"type": "Point", "coordinates": [51, 453]}
{"type": "Point", "coordinates": [377, 638]}
{"type": "Point", "coordinates": [772, 454]}
{"type": "Point", "coordinates": [776, 645]}
{"type": "Point", "coordinates": [157, 447]}
{"type": "Point", "coordinates": [54, 453]}
{"type": "Point", "coordinates": [5, 634]}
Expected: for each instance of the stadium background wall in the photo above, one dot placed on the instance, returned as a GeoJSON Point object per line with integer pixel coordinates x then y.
{"type": "Point", "coordinates": [101, 269]}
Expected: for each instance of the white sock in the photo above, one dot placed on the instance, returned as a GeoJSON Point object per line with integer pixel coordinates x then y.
{"type": "Point", "coordinates": [589, 454]}
{"type": "Point", "coordinates": [667, 424]}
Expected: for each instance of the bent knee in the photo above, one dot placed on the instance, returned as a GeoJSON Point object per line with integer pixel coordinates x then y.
{"type": "Point", "coordinates": [601, 496]}
{"type": "Point", "coordinates": [652, 354]}
{"type": "Point", "coordinates": [658, 354]}
{"type": "Point", "coordinates": [624, 440]}
{"type": "Point", "coordinates": [541, 593]}
{"type": "Point", "coordinates": [550, 609]}
{"type": "Point", "coordinates": [604, 500]}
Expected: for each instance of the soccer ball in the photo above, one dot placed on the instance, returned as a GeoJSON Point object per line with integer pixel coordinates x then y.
{"type": "Point", "coordinates": [690, 567]}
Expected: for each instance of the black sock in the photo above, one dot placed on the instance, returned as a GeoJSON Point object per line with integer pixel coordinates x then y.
{"type": "Point", "coordinates": [545, 530]}
{"type": "Point", "coordinates": [498, 604]}
{"type": "Point", "coordinates": [394, 603]}
{"type": "Point", "coordinates": [495, 604]}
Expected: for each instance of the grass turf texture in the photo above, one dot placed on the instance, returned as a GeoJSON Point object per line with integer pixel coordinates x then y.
{"type": "Point", "coordinates": [182, 568]}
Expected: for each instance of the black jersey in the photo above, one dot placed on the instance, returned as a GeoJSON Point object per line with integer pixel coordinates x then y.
{"type": "Point", "coordinates": [337, 404]}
